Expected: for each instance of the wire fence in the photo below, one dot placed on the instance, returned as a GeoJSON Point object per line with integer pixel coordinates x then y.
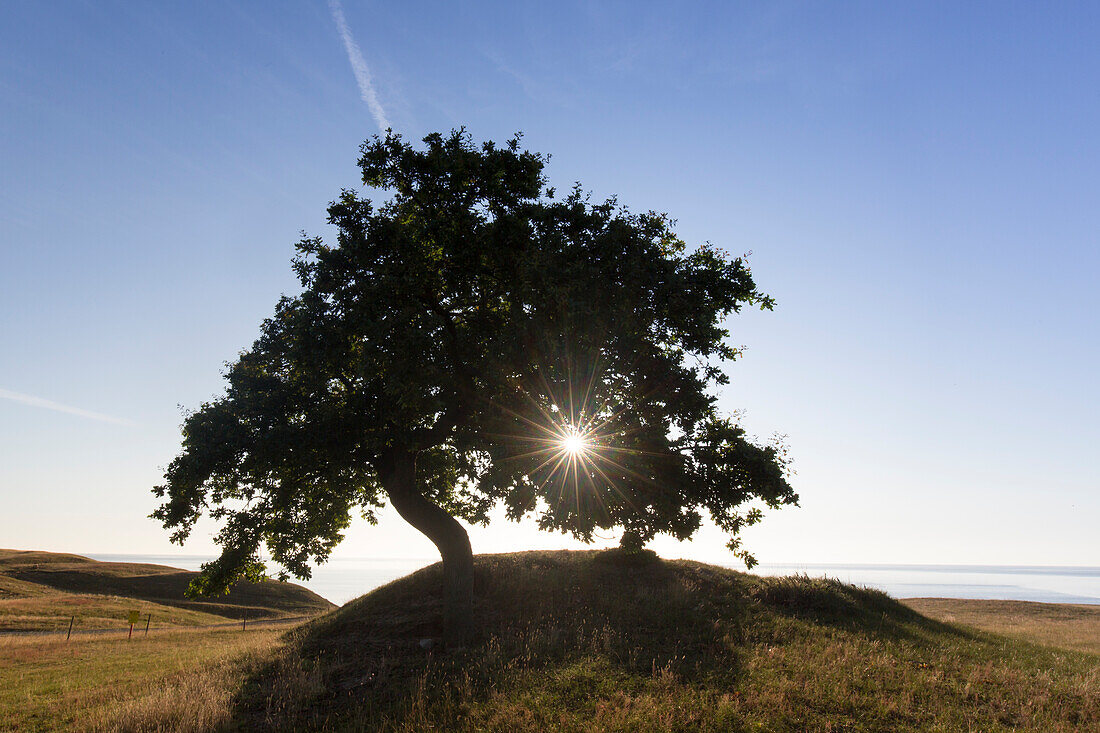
{"type": "Point", "coordinates": [129, 630]}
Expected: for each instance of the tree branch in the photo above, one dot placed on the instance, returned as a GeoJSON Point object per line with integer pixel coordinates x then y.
{"type": "Point", "coordinates": [456, 410]}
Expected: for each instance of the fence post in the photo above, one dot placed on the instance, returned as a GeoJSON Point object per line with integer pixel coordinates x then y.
{"type": "Point", "coordinates": [147, 622]}
{"type": "Point", "coordinates": [70, 628]}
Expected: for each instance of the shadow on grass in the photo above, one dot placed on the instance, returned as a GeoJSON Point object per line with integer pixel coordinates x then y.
{"type": "Point", "coordinates": [557, 615]}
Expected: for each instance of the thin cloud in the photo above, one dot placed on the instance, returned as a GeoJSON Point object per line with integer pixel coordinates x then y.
{"type": "Point", "coordinates": [359, 67]}
{"type": "Point", "coordinates": [536, 89]}
{"type": "Point", "coordinates": [26, 399]}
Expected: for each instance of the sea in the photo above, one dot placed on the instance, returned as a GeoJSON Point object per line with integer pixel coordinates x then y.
{"type": "Point", "coordinates": [342, 579]}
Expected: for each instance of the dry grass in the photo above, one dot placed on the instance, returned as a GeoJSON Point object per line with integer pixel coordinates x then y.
{"type": "Point", "coordinates": [12, 588]}
{"type": "Point", "coordinates": [172, 680]}
{"type": "Point", "coordinates": [589, 641]}
{"type": "Point", "coordinates": [74, 574]}
{"type": "Point", "coordinates": [573, 642]}
{"type": "Point", "coordinates": [1068, 626]}
{"type": "Point", "coordinates": [53, 611]}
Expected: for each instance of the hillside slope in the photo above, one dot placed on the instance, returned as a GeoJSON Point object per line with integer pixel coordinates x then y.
{"type": "Point", "coordinates": [598, 641]}
{"type": "Point", "coordinates": [33, 580]}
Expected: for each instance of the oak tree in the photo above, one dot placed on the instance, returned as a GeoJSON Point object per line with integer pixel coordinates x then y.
{"type": "Point", "coordinates": [475, 340]}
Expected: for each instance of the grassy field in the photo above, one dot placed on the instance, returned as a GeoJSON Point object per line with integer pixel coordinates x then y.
{"type": "Point", "coordinates": [587, 641]}
{"type": "Point", "coordinates": [32, 574]}
{"type": "Point", "coordinates": [1064, 625]}
{"type": "Point", "coordinates": [52, 612]}
{"type": "Point", "coordinates": [170, 680]}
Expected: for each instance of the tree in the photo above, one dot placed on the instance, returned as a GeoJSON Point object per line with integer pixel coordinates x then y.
{"type": "Point", "coordinates": [473, 341]}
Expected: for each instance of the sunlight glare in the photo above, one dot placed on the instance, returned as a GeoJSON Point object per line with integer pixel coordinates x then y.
{"type": "Point", "coordinates": [574, 444]}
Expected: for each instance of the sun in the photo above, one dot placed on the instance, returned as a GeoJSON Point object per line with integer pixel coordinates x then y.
{"type": "Point", "coordinates": [574, 443]}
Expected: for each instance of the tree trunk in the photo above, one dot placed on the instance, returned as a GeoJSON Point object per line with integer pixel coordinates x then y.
{"type": "Point", "coordinates": [450, 538]}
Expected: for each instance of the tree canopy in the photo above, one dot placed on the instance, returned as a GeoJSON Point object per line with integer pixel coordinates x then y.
{"type": "Point", "coordinates": [474, 340]}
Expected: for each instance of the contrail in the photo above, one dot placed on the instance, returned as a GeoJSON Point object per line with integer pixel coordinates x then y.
{"type": "Point", "coordinates": [359, 67]}
{"type": "Point", "coordinates": [26, 399]}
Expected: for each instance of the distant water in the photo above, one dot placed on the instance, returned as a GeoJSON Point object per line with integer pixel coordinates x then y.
{"type": "Point", "coordinates": [342, 579]}
{"type": "Point", "coordinates": [1042, 583]}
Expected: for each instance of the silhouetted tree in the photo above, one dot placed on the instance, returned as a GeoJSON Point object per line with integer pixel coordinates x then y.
{"type": "Point", "coordinates": [475, 340]}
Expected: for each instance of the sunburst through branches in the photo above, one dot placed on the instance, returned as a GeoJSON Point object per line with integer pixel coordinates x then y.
{"type": "Point", "coordinates": [574, 444]}
{"type": "Point", "coordinates": [586, 453]}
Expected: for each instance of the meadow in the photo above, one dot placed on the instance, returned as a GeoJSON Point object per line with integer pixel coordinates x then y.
{"type": "Point", "coordinates": [170, 680]}
{"type": "Point", "coordinates": [583, 641]}
{"type": "Point", "coordinates": [1063, 625]}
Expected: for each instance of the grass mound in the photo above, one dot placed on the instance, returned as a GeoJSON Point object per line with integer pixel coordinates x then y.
{"type": "Point", "coordinates": [605, 641]}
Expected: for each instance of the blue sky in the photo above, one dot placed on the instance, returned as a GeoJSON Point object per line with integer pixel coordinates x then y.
{"type": "Point", "coordinates": [917, 184]}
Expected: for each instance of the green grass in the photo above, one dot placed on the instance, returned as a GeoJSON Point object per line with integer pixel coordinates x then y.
{"type": "Point", "coordinates": [576, 642]}
{"type": "Point", "coordinates": [33, 573]}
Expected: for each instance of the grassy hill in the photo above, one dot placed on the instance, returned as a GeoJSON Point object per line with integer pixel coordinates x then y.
{"type": "Point", "coordinates": [43, 590]}
{"type": "Point", "coordinates": [579, 642]}
{"type": "Point", "coordinates": [599, 641]}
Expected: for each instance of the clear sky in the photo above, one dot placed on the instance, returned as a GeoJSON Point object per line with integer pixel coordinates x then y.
{"type": "Point", "coordinates": [917, 184]}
